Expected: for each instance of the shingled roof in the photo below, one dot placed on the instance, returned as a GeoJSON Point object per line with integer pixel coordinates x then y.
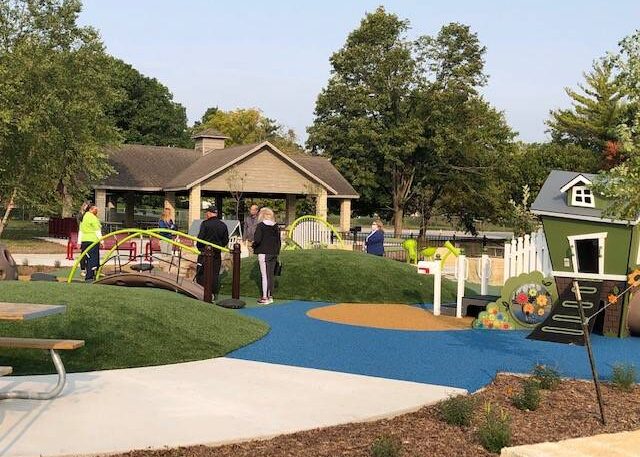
{"type": "Point", "coordinates": [551, 201]}
{"type": "Point", "coordinates": [158, 168]}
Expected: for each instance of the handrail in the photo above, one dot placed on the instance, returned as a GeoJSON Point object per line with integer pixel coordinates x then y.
{"type": "Point", "coordinates": [317, 219]}
{"type": "Point", "coordinates": [134, 232]}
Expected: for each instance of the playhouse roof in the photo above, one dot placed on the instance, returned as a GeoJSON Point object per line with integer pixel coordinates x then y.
{"type": "Point", "coordinates": [552, 201]}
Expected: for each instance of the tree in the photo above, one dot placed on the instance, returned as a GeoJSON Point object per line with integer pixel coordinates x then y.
{"type": "Point", "coordinates": [54, 93]}
{"type": "Point", "coordinates": [597, 111]}
{"type": "Point", "coordinates": [620, 184]}
{"type": "Point", "coordinates": [146, 113]}
{"type": "Point", "coordinates": [366, 117]}
{"type": "Point", "coordinates": [249, 125]}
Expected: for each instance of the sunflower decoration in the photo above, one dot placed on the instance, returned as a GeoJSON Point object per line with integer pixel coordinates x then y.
{"type": "Point", "coordinates": [612, 298]}
{"type": "Point", "coordinates": [633, 279]}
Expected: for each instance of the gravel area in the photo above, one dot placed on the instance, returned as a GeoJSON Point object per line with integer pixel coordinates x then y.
{"type": "Point", "coordinates": [569, 411]}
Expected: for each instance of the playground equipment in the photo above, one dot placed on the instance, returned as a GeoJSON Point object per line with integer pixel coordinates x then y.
{"type": "Point", "coordinates": [312, 232]}
{"type": "Point", "coordinates": [142, 272]}
{"type": "Point", "coordinates": [461, 306]}
{"type": "Point", "coordinates": [8, 267]}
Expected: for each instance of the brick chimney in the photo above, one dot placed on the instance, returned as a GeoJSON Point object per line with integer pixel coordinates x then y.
{"type": "Point", "coordinates": [209, 140]}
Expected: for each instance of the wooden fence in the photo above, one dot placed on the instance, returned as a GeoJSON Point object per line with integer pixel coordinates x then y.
{"type": "Point", "coordinates": [526, 254]}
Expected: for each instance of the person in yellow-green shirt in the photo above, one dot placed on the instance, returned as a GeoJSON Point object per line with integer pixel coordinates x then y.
{"type": "Point", "coordinates": [90, 232]}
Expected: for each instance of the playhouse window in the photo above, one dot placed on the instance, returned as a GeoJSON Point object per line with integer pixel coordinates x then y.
{"type": "Point", "coordinates": [582, 196]}
{"type": "Point", "coordinates": [587, 252]}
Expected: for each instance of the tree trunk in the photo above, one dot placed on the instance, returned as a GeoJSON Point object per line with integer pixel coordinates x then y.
{"type": "Point", "coordinates": [398, 215]}
{"type": "Point", "coordinates": [8, 209]}
{"type": "Point", "coordinates": [67, 202]}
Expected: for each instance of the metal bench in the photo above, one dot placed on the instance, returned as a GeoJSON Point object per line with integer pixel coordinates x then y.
{"type": "Point", "coordinates": [50, 345]}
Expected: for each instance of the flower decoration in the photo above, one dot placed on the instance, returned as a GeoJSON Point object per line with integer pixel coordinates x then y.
{"type": "Point", "coordinates": [522, 298]}
{"type": "Point", "coordinates": [527, 308]}
{"type": "Point", "coordinates": [541, 312]}
{"type": "Point", "coordinates": [613, 299]}
{"type": "Point", "coordinates": [542, 301]}
{"type": "Point", "coordinates": [533, 292]}
{"type": "Point", "coordinates": [633, 279]}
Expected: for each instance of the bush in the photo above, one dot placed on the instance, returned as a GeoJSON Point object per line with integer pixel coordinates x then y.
{"type": "Point", "coordinates": [624, 376]}
{"type": "Point", "coordinates": [386, 446]}
{"type": "Point", "coordinates": [547, 377]}
{"type": "Point", "coordinates": [25, 262]}
{"type": "Point", "coordinates": [57, 264]}
{"type": "Point", "coordinates": [529, 398]}
{"type": "Point", "coordinates": [457, 410]}
{"type": "Point", "coordinates": [495, 431]}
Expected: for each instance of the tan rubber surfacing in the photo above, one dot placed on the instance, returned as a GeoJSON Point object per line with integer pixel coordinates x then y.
{"type": "Point", "coordinates": [388, 316]}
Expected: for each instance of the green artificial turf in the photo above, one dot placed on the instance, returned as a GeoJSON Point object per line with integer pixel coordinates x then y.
{"type": "Point", "coordinates": [342, 276]}
{"type": "Point", "coordinates": [122, 327]}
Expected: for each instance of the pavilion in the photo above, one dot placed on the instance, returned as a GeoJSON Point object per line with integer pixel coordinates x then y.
{"type": "Point", "coordinates": [213, 171]}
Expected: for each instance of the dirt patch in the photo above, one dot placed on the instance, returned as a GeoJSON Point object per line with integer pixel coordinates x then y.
{"type": "Point", "coordinates": [388, 316]}
{"type": "Point", "coordinates": [29, 270]}
{"type": "Point", "coordinates": [568, 412]}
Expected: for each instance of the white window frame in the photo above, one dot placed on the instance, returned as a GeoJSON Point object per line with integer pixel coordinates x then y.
{"type": "Point", "coordinates": [582, 195]}
{"type": "Point", "coordinates": [601, 237]}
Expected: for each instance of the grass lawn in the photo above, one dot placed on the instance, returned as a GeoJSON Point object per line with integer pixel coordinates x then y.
{"type": "Point", "coordinates": [19, 237]}
{"type": "Point", "coordinates": [342, 276]}
{"type": "Point", "coordinates": [122, 327]}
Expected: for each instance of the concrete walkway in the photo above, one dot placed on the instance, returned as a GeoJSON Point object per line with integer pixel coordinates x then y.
{"type": "Point", "coordinates": [206, 402]}
{"type": "Point", "coordinates": [50, 260]}
{"type": "Point", "coordinates": [625, 444]}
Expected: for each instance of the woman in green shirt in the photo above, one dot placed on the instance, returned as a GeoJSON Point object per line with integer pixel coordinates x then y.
{"type": "Point", "coordinates": [90, 232]}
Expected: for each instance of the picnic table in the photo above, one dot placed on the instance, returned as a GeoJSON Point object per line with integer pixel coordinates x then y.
{"type": "Point", "coordinates": [27, 311]}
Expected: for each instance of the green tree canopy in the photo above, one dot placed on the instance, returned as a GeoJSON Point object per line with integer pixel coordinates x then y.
{"type": "Point", "coordinates": [403, 121]}
{"type": "Point", "coordinates": [146, 113]}
{"type": "Point", "coordinates": [592, 122]}
{"type": "Point", "coordinates": [54, 95]}
{"type": "Point", "coordinates": [621, 184]}
{"type": "Point", "coordinates": [249, 125]}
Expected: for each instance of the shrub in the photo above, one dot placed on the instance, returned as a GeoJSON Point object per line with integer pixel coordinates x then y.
{"type": "Point", "coordinates": [529, 398]}
{"type": "Point", "coordinates": [57, 264]}
{"type": "Point", "coordinates": [457, 410]}
{"type": "Point", "coordinates": [547, 377]}
{"type": "Point", "coordinates": [624, 376]}
{"type": "Point", "coordinates": [39, 268]}
{"type": "Point", "coordinates": [25, 262]}
{"type": "Point", "coordinates": [386, 446]}
{"type": "Point", "coordinates": [495, 431]}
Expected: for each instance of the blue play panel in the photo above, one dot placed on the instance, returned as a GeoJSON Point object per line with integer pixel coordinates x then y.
{"type": "Point", "coordinates": [468, 358]}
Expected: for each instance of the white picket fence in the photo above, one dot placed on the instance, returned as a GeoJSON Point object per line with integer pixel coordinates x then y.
{"type": "Point", "coordinates": [311, 234]}
{"type": "Point", "coordinates": [526, 254]}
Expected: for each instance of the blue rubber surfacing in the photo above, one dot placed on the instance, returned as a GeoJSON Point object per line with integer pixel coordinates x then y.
{"type": "Point", "coordinates": [468, 359]}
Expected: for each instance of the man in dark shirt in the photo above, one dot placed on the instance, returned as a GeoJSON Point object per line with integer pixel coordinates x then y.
{"type": "Point", "coordinates": [214, 231]}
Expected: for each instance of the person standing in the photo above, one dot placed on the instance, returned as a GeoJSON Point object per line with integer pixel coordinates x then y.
{"type": "Point", "coordinates": [267, 243]}
{"type": "Point", "coordinates": [250, 224]}
{"type": "Point", "coordinates": [90, 232]}
{"type": "Point", "coordinates": [83, 261]}
{"type": "Point", "coordinates": [375, 240]}
{"type": "Point", "coordinates": [214, 231]}
{"type": "Point", "coordinates": [167, 223]}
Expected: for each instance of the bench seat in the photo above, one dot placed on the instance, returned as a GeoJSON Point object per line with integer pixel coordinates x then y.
{"type": "Point", "coordinates": [50, 345]}
{"type": "Point", "coordinates": [35, 343]}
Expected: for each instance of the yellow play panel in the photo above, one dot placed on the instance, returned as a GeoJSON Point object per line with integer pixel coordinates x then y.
{"type": "Point", "coordinates": [388, 316]}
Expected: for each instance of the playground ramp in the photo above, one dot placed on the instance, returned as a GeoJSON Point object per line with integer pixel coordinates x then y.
{"type": "Point", "coordinates": [154, 278]}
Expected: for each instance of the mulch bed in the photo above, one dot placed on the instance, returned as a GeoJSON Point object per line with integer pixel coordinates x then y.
{"type": "Point", "coordinates": [570, 411]}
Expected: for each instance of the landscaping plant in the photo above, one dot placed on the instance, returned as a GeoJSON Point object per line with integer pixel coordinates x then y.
{"type": "Point", "coordinates": [624, 376]}
{"type": "Point", "coordinates": [529, 398]}
{"type": "Point", "coordinates": [495, 431]}
{"type": "Point", "coordinates": [547, 377]}
{"type": "Point", "coordinates": [386, 446]}
{"type": "Point", "coordinates": [457, 410]}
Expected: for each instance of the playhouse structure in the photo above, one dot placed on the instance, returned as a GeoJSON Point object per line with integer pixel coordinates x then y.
{"type": "Point", "coordinates": [584, 244]}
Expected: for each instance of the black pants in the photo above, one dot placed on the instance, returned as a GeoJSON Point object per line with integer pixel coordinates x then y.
{"type": "Point", "coordinates": [93, 260]}
{"type": "Point", "coordinates": [216, 263]}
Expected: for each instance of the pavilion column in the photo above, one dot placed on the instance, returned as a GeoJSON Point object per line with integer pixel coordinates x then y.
{"type": "Point", "coordinates": [195, 204]}
{"type": "Point", "coordinates": [290, 209]}
{"type": "Point", "coordinates": [321, 204]}
{"type": "Point", "coordinates": [170, 203]}
{"type": "Point", "coordinates": [345, 215]}
{"type": "Point", "coordinates": [101, 203]}
{"type": "Point", "coordinates": [219, 205]}
{"type": "Point", "coordinates": [129, 209]}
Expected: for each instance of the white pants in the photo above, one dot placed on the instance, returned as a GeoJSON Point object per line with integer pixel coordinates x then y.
{"type": "Point", "coordinates": [267, 272]}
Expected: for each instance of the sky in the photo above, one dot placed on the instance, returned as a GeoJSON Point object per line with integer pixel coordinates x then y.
{"type": "Point", "coordinates": [275, 55]}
